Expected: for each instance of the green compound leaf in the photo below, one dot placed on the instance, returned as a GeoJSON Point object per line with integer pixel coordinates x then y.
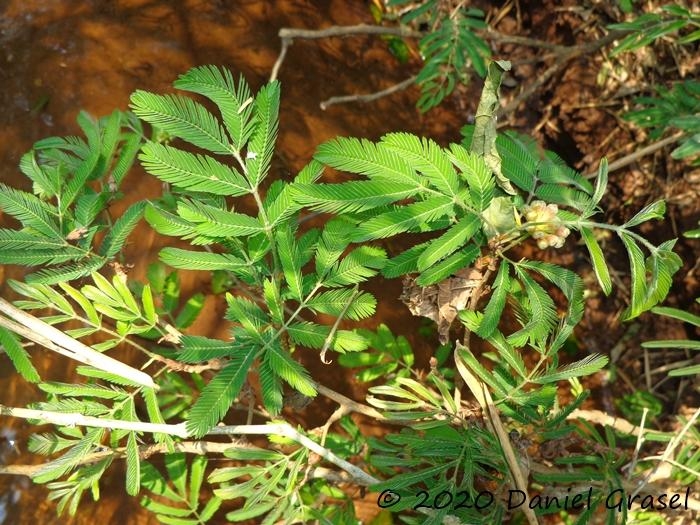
{"type": "Point", "coordinates": [133, 466]}
{"type": "Point", "coordinates": [345, 301]}
{"type": "Point", "coordinates": [167, 223]}
{"type": "Point", "coordinates": [357, 266]}
{"type": "Point", "coordinates": [427, 157]}
{"type": "Point", "coordinates": [115, 239]}
{"type": "Point", "coordinates": [352, 197]}
{"type": "Point", "coordinates": [270, 386]}
{"type": "Point", "coordinates": [220, 393]}
{"type": "Point", "coordinates": [192, 172]}
{"type": "Point", "coordinates": [449, 242]}
{"type": "Point", "coordinates": [33, 213]}
{"type": "Point", "coordinates": [601, 182]}
{"type": "Point", "coordinates": [494, 309]}
{"type": "Point", "coordinates": [476, 172]}
{"type": "Point", "coordinates": [191, 260]}
{"type": "Point", "coordinates": [288, 251]}
{"type": "Point", "coordinates": [262, 140]}
{"type": "Point", "coordinates": [67, 272]}
{"type": "Point", "coordinates": [655, 210]}
{"type": "Point", "coordinates": [449, 266]}
{"type": "Point", "coordinates": [542, 314]}
{"type": "Point", "coordinates": [183, 118]}
{"type": "Point", "coordinates": [584, 367]}
{"type": "Point", "coordinates": [283, 365]}
{"type": "Point", "coordinates": [403, 219]}
{"type": "Point", "coordinates": [234, 101]}
{"type": "Point", "coordinates": [198, 349]}
{"type": "Point", "coordinates": [18, 355]}
{"type": "Point", "coordinates": [361, 156]}
{"type": "Point", "coordinates": [215, 222]}
{"type": "Point", "coordinates": [405, 262]}
{"type": "Point", "coordinates": [178, 497]}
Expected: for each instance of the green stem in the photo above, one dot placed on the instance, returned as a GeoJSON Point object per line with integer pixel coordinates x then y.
{"type": "Point", "coordinates": [612, 227]}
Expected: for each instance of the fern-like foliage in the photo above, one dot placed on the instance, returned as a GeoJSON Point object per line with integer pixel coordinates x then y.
{"type": "Point", "coordinates": [74, 181]}
{"type": "Point", "coordinates": [265, 484]}
{"type": "Point", "coordinates": [669, 20]}
{"type": "Point", "coordinates": [107, 396]}
{"type": "Point", "coordinates": [264, 250]}
{"type": "Point", "coordinates": [439, 459]}
{"type": "Point", "coordinates": [677, 107]}
{"type": "Point", "coordinates": [288, 286]}
{"type": "Point", "coordinates": [449, 48]}
{"type": "Point", "coordinates": [177, 497]}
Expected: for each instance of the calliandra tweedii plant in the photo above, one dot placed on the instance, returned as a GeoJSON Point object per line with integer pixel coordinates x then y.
{"type": "Point", "coordinates": [477, 200]}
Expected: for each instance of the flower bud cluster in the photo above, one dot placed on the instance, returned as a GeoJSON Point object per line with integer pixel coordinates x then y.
{"type": "Point", "coordinates": [547, 228]}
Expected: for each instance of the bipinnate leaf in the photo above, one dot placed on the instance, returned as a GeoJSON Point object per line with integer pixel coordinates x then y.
{"type": "Point", "coordinates": [191, 260]}
{"type": "Point", "coordinates": [215, 222]}
{"type": "Point", "coordinates": [220, 393]}
{"type": "Point", "coordinates": [476, 172]}
{"type": "Point", "coordinates": [357, 266]}
{"type": "Point", "coordinates": [115, 239]}
{"type": "Point", "coordinates": [637, 278]}
{"type": "Point", "coordinates": [344, 301]}
{"type": "Point", "coordinates": [377, 161]}
{"type": "Point", "coordinates": [448, 266]}
{"type": "Point", "coordinates": [270, 386]}
{"type": "Point", "coordinates": [133, 466]}
{"type": "Point", "coordinates": [402, 219]}
{"type": "Point", "coordinates": [351, 197]}
{"type": "Point", "coordinates": [655, 210]}
{"type": "Point", "coordinates": [66, 272]}
{"type": "Point", "coordinates": [68, 461]}
{"type": "Point", "coordinates": [167, 223]}
{"type": "Point", "coordinates": [584, 367]}
{"type": "Point", "coordinates": [288, 252]}
{"type": "Point", "coordinates": [427, 157]}
{"type": "Point", "coordinates": [494, 309]}
{"type": "Point", "coordinates": [541, 309]}
{"type": "Point", "coordinates": [192, 172]}
{"type": "Point", "coordinates": [234, 101]}
{"type": "Point", "coordinates": [405, 262]}
{"type": "Point", "coordinates": [262, 140]}
{"type": "Point", "coordinates": [601, 181]}
{"type": "Point", "coordinates": [33, 213]}
{"type": "Point", "coordinates": [295, 375]}
{"type": "Point", "coordinates": [449, 242]}
{"type": "Point", "coordinates": [182, 117]}
{"type": "Point", "coordinates": [198, 349]}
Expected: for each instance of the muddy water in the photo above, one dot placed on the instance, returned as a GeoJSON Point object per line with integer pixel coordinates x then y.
{"type": "Point", "coordinates": [60, 56]}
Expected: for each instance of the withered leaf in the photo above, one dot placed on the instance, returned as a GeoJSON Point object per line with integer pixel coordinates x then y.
{"type": "Point", "coordinates": [441, 302]}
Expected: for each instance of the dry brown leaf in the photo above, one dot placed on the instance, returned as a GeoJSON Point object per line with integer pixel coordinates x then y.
{"type": "Point", "coordinates": [441, 302]}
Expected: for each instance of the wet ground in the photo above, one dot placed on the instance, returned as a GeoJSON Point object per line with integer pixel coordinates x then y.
{"type": "Point", "coordinates": [60, 56]}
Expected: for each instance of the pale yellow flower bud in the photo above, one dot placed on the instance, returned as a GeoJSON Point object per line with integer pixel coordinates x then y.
{"type": "Point", "coordinates": [547, 228]}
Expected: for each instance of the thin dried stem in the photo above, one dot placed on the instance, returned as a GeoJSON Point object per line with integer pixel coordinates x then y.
{"type": "Point", "coordinates": [368, 97]}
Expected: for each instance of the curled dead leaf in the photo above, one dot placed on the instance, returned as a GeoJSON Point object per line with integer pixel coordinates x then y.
{"type": "Point", "coordinates": [443, 301]}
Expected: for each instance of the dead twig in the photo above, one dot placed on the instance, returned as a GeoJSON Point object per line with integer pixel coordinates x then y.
{"type": "Point", "coordinates": [638, 154]}
{"type": "Point", "coordinates": [369, 97]}
{"type": "Point", "coordinates": [564, 55]}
